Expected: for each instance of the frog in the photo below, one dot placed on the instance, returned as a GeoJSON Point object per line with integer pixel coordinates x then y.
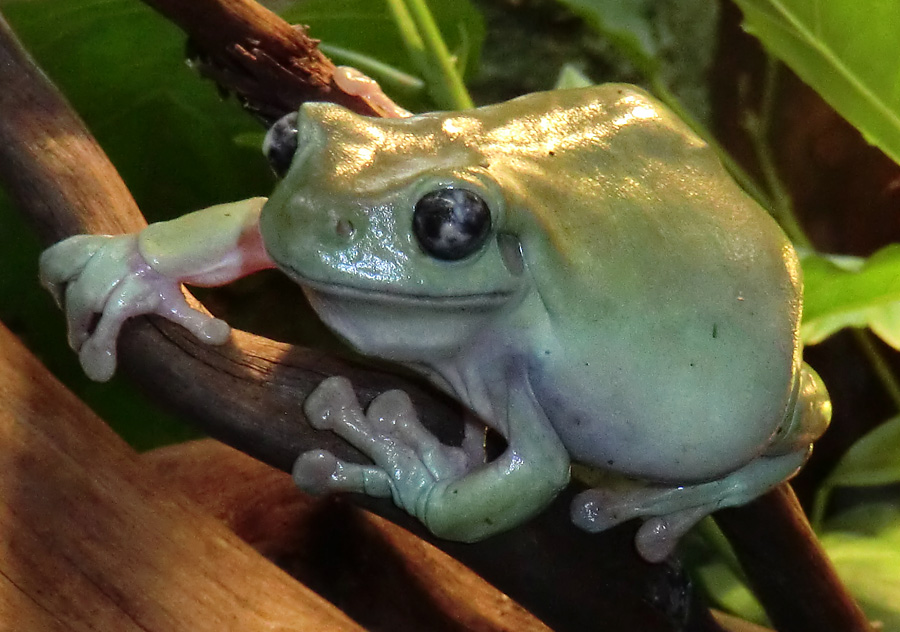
{"type": "Point", "coordinates": [575, 267]}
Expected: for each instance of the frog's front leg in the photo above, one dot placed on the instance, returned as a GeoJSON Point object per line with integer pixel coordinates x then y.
{"type": "Point", "coordinates": [102, 280]}
{"type": "Point", "coordinates": [455, 498]}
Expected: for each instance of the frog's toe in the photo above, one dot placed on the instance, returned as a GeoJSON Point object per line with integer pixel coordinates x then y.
{"type": "Point", "coordinates": [332, 405]}
{"type": "Point", "coordinates": [408, 459]}
{"type": "Point", "coordinates": [392, 411]}
{"type": "Point", "coordinates": [207, 329]}
{"type": "Point", "coordinates": [808, 419]}
{"type": "Point", "coordinates": [658, 536]}
{"type": "Point", "coordinates": [63, 262]}
{"type": "Point", "coordinates": [98, 360]}
{"type": "Point", "coordinates": [320, 472]}
{"type": "Point", "coordinates": [597, 510]}
{"type": "Point", "coordinates": [214, 331]}
{"type": "Point", "coordinates": [393, 416]}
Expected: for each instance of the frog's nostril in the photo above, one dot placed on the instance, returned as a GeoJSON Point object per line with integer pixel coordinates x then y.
{"type": "Point", "coordinates": [344, 228]}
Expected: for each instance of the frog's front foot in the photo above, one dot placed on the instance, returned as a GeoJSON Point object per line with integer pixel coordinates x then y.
{"type": "Point", "coordinates": [408, 460]}
{"type": "Point", "coordinates": [103, 280]}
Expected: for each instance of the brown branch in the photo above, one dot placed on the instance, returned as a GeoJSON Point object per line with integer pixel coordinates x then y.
{"type": "Point", "coordinates": [355, 559]}
{"type": "Point", "coordinates": [272, 66]}
{"type": "Point", "coordinates": [90, 543]}
{"type": "Point", "coordinates": [250, 393]}
{"type": "Point", "coordinates": [787, 568]}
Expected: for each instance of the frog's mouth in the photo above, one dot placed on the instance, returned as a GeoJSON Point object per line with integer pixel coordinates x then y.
{"type": "Point", "coordinates": [401, 326]}
{"type": "Point", "coordinates": [355, 293]}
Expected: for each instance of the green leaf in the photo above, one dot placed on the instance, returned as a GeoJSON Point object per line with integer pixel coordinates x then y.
{"type": "Point", "coordinates": [728, 592]}
{"type": "Point", "coordinates": [851, 292]}
{"type": "Point", "coordinates": [870, 568]}
{"type": "Point", "coordinates": [627, 25]}
{"type": "Point", "coordinates": [571, 77]}
{"type": "Point", "coordinates": [874, 520]}
{"type": "Point", "coordinates": [872, 460]}
{"type": "Point", "coordinates": [864, 545]}
{"type": "Point", "coordinates": [885, 323]}
{"type": "Point", "coordinates": [846, 50]}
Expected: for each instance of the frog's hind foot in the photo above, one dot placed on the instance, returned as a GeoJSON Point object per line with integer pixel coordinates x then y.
{"type": "Point", "coordinates": [669, 512]}
{"type": "Point", "coordinates": [658, 536]}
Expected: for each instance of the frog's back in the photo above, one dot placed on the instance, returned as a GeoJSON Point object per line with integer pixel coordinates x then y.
{"type": "Point", "coordinates": [674, 299]}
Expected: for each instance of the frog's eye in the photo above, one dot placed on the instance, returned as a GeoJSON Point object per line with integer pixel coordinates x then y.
{"type": "Point", "coordinates": [451, 223]}
{"type": "Point", "coordinates": [280, 143]}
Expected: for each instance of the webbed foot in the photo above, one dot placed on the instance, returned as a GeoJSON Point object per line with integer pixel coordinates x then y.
{"type": "Point", "coordinates": [101, 281]}
{"type": "Point", "coordinates": [669, 512]}
{"type": "Point", "coordinates": [408, 459]}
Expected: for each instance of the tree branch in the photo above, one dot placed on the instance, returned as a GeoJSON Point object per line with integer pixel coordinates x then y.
{"type": "Point", "coordinates": [335, 548]}
{"type": "Point", "coordinates": [272, 66]}
{"type": "Point", "coordinates": [787, 569]}
{"type": "Point", "coordinates": [91, 544]}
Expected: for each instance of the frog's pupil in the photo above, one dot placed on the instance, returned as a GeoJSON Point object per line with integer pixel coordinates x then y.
{"type": "Point", "coordinates": [451, 223]}
{"type": "Point", "coordinates": [280, 144]}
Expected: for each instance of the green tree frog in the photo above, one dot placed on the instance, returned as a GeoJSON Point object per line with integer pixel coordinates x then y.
{"type": "Point", "coordinates": [575, 267]}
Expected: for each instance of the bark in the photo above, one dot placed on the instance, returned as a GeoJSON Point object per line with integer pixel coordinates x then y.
{"type": "Point", "coordinates": [378, 573]}
{"type": "Point", "coordinates": [270, 65]}
{"type": "Point", "coordinates": [98, 543]}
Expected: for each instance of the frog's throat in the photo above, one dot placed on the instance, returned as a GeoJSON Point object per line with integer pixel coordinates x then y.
{"type": "Point", "coordinates": [399, 297]}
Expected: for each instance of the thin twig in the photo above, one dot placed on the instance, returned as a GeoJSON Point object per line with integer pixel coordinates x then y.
{"type": "Point", "coordinates": [272, 66]}
{"type": "Point", "coordinates": [759, 127]}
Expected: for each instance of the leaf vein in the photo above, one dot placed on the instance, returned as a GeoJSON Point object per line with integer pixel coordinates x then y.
{"type": "Point", "coordinates": [827, 53]}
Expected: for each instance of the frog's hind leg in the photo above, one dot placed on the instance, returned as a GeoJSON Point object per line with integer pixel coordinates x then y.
{"type": "Point", "coordinates": [669, 512]}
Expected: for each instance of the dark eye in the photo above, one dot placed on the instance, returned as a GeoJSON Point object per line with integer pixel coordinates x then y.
{"type": "Point", "coordinates": [451, 223]}
{"type": "Point", "coordinates": [280, 143]}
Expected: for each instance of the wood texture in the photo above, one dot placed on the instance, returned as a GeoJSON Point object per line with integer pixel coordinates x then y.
{"type": "Point", "coordinates": [272, 66]}
{"type": "Point", "coordinates": [358, 560]}
{"type": "Point", "coordinates": [49, 163]}
{"type": "Point", "coordinates": [89, 542]}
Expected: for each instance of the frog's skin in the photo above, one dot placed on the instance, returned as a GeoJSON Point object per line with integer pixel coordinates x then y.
{"type": "Point", "coordinates": [631, 309]}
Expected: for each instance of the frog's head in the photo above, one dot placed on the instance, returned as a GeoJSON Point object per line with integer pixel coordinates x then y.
{"type": "Point", "coordinates": [394, 229]}
{"type": "Point", "coordinates": [412, 234]}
